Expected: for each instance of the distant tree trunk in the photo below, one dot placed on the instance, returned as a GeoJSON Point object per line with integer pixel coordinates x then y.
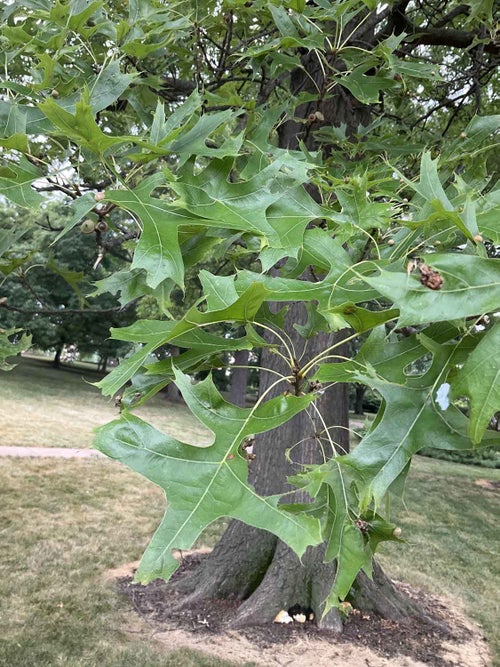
{"type": "Point", "coordinates": [238, 389]}
{"type": "Point", "coordinates": [172, 393]}
{"type": "Point", "coordinates": [360, 390]}
{"type": "Point", "coordinates": [56, 361]}
{"type": "Point", "coordinates": [103, 364]}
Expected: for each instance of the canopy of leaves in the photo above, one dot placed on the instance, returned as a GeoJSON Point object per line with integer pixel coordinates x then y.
{"type": "Point", "coordinates": [44, 284]}
{"type": "Point", "coordinates": [194, 131]}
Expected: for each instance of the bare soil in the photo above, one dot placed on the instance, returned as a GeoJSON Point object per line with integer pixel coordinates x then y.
{"type": "Point", "coordinates": [488, 484]}
{"type": "Point", "coordinates": [367, 640]}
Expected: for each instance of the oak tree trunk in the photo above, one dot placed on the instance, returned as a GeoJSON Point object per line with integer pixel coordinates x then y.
{"type": "Point", "coordinates": [253, 566]}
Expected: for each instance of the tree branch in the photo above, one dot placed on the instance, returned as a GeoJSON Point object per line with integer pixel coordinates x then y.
{"type": "Point", "coordinates": [433, 35]}
{"type": "Point", "coordinates": [65, 311]}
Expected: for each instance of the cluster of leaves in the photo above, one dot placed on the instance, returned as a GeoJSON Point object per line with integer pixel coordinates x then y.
{"type": "Point", "coordinates": [393, 253]}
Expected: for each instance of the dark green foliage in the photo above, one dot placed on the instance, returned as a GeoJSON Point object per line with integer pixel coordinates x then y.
{"type": "Point", "coordinates": [487, 457]}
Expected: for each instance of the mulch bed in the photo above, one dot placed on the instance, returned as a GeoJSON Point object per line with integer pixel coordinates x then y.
{"type": "Point", "coordinates": [416, 637]}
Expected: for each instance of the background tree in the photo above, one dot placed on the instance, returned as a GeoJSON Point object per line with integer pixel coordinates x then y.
{"type": "Point", "coordinates": [45, 286]}
{"type": "Point", "coordinates": [338, 148]}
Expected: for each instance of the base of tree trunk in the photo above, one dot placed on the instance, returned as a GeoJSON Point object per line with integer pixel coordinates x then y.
{"type": "Point", "coordinates": [255, 568]}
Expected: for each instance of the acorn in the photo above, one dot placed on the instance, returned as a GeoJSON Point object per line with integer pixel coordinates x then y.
{"type": "Point", "coordinates": [99, 196]}
{"type": "Point", "coordinates": [54, 93]}
{"type": "Point", "coordinates": [397, 532]}
{"type": "Point", "coordinates": [87, 226]}
{"type": "Point", "coordinates": [391, 242]}
{"type": "Point", "coordinates": [101, 226]}
{"type": "Point", "coordinates": [478, 238]}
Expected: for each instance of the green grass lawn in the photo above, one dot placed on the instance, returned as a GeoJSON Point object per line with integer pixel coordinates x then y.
{"type": "Point", "coordinates": [450, 524]}
{"type": "Point", "coordinates": [46, 407]}
{"type": "Point", "coordinates": [65, 523]}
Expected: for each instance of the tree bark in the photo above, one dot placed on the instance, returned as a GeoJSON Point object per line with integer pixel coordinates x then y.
{"type": "Point", "coordinates": [172, 393]}
{"type": "Point", "coordinates": [360, 390]}
{"type": "Point", "coordinates": [238, 389]}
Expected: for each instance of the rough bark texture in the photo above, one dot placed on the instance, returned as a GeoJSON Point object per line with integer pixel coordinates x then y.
{"type": "Point", "coordinates": [238, 390]}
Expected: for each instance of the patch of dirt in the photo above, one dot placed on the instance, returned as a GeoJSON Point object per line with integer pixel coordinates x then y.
{"type": "Point", "coordinates": [488, 484]}
{"type": "Point", "coordinates": [367, 640]}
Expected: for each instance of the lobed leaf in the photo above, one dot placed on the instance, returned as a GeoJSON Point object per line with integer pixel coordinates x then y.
{"type": "Point", "coordinates": [471, 286]}
{"type": "Point", "coordinates": [479, 380]}
{"type": "Point", "coordinates": [203, 484]}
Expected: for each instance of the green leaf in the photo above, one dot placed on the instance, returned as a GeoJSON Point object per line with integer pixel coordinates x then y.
{"type": "Point", "coordinates": [358, 208]}
{"type": "Point", "coordinates": [80, 208]}
{"type": "Point", "coordinates": [204, 352]}
{"type": "Point", "coordinates": [360, 319]}
{"type": "Point", "coordinates": [16, 183]}
{"type": "Point", "coordinates": [479, 380]}
{"type": "Point", "coordinates": [488, 214]}
{"type": "Point", "coordinates": [472, 138]}
{"type": "Point", "coordinates": [379, 357]}
{"type": "Point", "coordinates": [109, 85]}
{"type": "Point", "coordinates": [158, 132]}
{"type": "Point", "coordinates": [8, 349]}
{"type": "Point", "coordinates": [80, 127]}
{"type": "Point", "coordinates": [410, 421]}
{"type": "Point", "coordinates": [155, 333]}
{"type": "Point", "coordinates": [8, 237]}
{"type": "Point", "coordinates": [350, 543]}
{"type": "Point", "coordinates": [194, 141]}
{"type": "Point", "coordinates": [72, 278]}
{"type": "Point", "coordinates": [270, 204]}
{"type": "Point", "coordinates": [471, 286]}
{"type": "Point", "coordinates": [366, 88]}
{"type": "Point", "coordinates": [158, 251]}
{"type": "Point", "coordinates": [283, 21]}
{"type": "Point", "coordinates": [203, 484]}
{"type": "Point", "coordinates": [429, 186]}
{"type": "Point", "coordinates": [13, 127]}
{"type": "Point", "coordinates": [413, 415]}
{"type": "Point", "coordinates": [129, 285]}
{"type": "Point", "coordinates": [338, 288]}
{"type": "Point", "coordinates": [104, 89]}
{"type": "Point", "coordinates": [219, 291]}
{"type": "Point", "coordinates": [16, 142]}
